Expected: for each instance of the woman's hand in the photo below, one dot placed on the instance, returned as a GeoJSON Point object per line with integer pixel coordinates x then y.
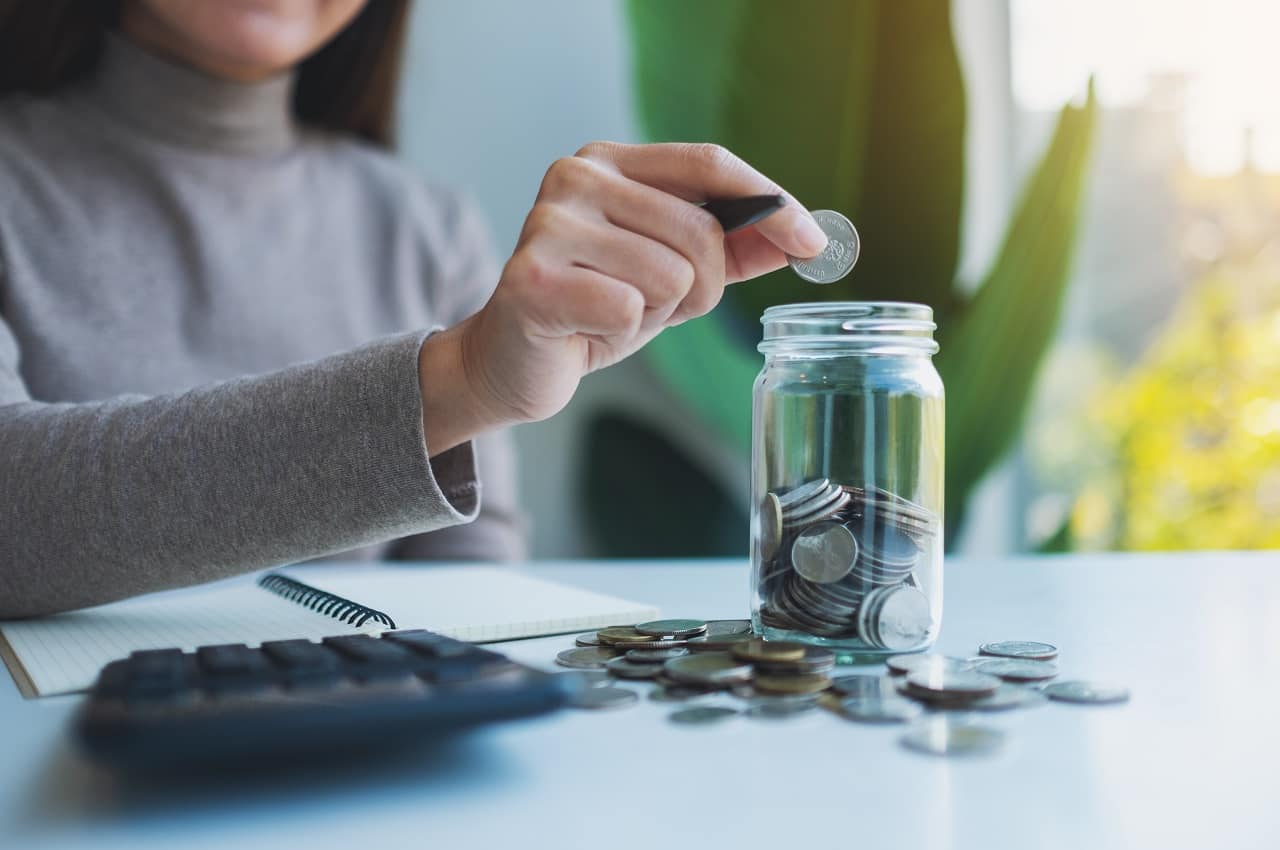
{"type": "Point", "coordinates": [612, 252]}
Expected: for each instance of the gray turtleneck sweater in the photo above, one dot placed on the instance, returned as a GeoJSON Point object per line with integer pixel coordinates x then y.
{"type": "Point", "coordinates": [179, 263]}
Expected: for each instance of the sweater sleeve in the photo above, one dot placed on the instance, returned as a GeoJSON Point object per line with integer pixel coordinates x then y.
{"type": "Point", "coordinates": [107, 499]}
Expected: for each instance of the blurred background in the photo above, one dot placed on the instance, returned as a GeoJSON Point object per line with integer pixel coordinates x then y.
{"type": "Point", "coordinates": [1086, 193]}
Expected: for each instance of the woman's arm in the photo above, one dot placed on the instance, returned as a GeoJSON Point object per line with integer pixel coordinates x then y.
{"type": "Point", "coordinates": [104, 500]}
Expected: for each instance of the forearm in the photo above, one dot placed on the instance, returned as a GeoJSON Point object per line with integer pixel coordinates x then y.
{"type": "Point", "coordinates": [103, 500]}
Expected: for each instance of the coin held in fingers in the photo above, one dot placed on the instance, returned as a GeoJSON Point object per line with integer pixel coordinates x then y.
{"type": "Point", "coordinates": [840, 255]}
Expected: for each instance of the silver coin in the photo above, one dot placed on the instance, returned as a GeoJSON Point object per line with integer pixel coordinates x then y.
{"type": "Point", "coordinates": [838, 258]}
{"type": "Point", "coordinates": [655, 656]}
{"type": "Point", "coordinates": [1032, 649]}
{"type": "Point", "coordinates": [805, 491]}
{"type": "Point", "coordinates": [588, 639]}
{"type": "Point", "coordinates": [770, 526]}
{"type": "Point", "coordinates": [672, 628]}
{"type": "Point", "coordinates": [952, 683]}
{"type": "Point", "coordinates": [1089, 693]}
{"type": "Point", "coordinates": [863, 686]}
{"type": "Point", "coordinates": [603, 698]}
{"type": "Point", "coordinates": [901, 620]}
{"type": "Point", "coordinates": [703, 714]}
{"type": "Point", "coordinates": [1006, 697]}
{"type": "Point", "coordinates": [1018, 669]}
{"type": "Point", "coordinates": [943, 735]}
{"type": "Point", "coordinates": [678, 693]}
{"type": "Point", "coordinates": [819, 507]}
{"type": "Point", "coordinates": [587, 657]}
{"type": "Point", "coordinates": [779, 709]}
{"type": "Point", "coordinates": [624, 668]}
{"type": "Point", "coordinates": [824, 552]}
{"type": "Point", "coordinates": [724, 628]}
{"type": "Point", "coordinates": [888, 709]}
{"type": "Point", "coordinates": [708, 668]}
{"type": "Point", "coordinates": [586, 678]}
{"type": "Point", "coordinates": [903, 664]}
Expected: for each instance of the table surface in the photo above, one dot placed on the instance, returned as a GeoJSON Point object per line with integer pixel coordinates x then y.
{"type": "Point", "coordinates": [1188, 762]}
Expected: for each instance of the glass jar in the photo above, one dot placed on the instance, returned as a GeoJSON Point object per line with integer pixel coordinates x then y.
{"type": "Point", "coordinates": [847, 478]}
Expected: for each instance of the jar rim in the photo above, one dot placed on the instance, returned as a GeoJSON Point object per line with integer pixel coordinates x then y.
{"type": "Point", "coordinates": [853, 326]}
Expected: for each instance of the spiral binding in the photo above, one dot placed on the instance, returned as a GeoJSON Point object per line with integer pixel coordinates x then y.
{"type": "Point", "coordinates": [330, 604]}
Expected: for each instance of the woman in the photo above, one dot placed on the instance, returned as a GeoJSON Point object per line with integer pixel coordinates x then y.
{"type": "Point", "coordinates": [198, 208]}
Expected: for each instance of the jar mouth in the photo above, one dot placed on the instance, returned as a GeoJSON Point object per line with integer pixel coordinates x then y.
{"type": "Point", "coordinates": [854, 326]}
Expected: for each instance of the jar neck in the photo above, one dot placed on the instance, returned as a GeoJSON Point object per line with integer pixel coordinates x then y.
{"type": "Point", "coordinates": [852, 328]}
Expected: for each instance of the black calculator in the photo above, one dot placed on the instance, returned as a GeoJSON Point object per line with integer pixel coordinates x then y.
{"type": "Point", "coordinates": [232, 704]}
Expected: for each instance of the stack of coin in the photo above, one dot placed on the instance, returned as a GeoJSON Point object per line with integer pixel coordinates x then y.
{"type": "Point", "coordinates": [838, 561]}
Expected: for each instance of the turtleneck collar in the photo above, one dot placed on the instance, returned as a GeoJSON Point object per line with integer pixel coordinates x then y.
{"type": "Point", "coordinates": [187, 107]}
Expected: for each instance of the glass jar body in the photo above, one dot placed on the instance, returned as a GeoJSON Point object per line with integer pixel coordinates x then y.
{"type": "Point", "coordinates": [847, 484]}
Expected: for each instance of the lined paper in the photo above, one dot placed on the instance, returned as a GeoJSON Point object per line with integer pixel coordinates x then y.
{"type": "Point", "coordinates": [63, 653]}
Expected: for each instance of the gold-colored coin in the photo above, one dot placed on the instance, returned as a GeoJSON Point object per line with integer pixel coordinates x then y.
{"type": "Point", "coordinates": [617, 635]}
{"type": "Point", "coordinates": [805, 683]}
{"type": "Point", "coordinates": [766, 651]}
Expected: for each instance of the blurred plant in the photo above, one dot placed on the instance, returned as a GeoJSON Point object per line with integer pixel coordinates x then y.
{"type": "Point", "coordinates": [858, 106]}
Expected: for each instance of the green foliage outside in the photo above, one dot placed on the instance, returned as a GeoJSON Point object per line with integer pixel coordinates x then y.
{"type": "Point", "coordinates": [858, 106]}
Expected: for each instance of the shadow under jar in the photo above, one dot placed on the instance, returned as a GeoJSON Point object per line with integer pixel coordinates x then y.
{"type": "Point", "coordinates": [847, 478]}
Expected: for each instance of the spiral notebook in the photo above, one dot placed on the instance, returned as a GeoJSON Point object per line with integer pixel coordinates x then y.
{"type": "Point", "coordinates": [63, 653]}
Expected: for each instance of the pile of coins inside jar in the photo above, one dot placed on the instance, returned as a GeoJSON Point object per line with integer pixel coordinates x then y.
{"type": "Point", "coordinates": [694, 663]}
{"type": "Point", "coordinates": [839, 561]}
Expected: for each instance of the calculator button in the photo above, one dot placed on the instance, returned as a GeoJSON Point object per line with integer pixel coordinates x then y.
{"type": "Point", "coordinates": [370, 650]}
{"type": "Point", "coordinates": [231, 659]}
{"type": "Point", "coordinates": [301, 656]}
{"type": "Point", "coordinates": [428, 643]}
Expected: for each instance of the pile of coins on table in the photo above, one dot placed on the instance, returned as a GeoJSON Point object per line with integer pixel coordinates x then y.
{"type": "Point", "coordinates": [691, 659]}
{"type": "Point", "coordinates": [838, 561]}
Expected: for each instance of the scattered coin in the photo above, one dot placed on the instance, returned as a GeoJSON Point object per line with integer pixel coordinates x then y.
{"type": "Point", "coordinates": [815, 660]}
{"type": "Point", "coordinates": [586, 657]}
{"type": "Point", "coordinates": [655, 656]}
{"type": "Point", "coordinates": [588, 639]}
{"type": "Point", "coordinates": [801, 683]}
{"type": "Point", "coordinates": [943, 735]}
{"type": "Point", "coordinates": [672, 628]}
{"type": "Point", "coordinates": [725, 628]}
{"type": "Point", "coordinates": [759, 649]}
{"type": "Point", "coordinates": [703, 714]}
{"type": "Point", "coordinates": [1088, 693]}
{"type": "Point", "coordinates": [586, 678]}
{"type": "Point", "coordinates": [625, 668]}
{"type": "Point", "coordinates": [900, 665]}
{"type": "Point", "coordinates": [1020, 649]}
{"type": "Point", "coordinates": [716, 643]}
{"type": "Point", "coordinates": [863, 686]}
{"type": "Point", "coordinates": [618, 635]}
{"type": "Point", "coordinates": [840, 255]}
{"type": "Point", "coordinates": [929, 682]}
{"type": "Point", "coordinates": [708, 668]}
{"type": "Point", "coordinates": [678, 693]}
{"type": "Point", "coordinates": [1018, 669]}
{"type": "Point", "coordinates": [876, 709]}
{"type": "Point", "coordinates": [603, 698]}
{"type": "Point", "coordinates": [779, 709]}
{"type": "Point", "coordinates": [1006, 697]}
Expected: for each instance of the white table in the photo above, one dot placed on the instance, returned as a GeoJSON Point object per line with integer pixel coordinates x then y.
{"type": "Point", "coordinates": [1192, 761]}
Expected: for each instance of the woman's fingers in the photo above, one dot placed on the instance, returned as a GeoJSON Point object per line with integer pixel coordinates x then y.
{"type": "Point", "coordinates": [697, 172]}
{"type": "Point", "coordinates": [577, 237]}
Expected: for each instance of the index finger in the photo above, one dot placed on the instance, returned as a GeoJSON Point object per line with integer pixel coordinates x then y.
{"type": "Point", "coordinates": [698, 172]}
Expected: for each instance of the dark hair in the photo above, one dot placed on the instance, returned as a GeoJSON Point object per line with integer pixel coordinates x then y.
{"type": "Point", "coordinates": [349, 85]}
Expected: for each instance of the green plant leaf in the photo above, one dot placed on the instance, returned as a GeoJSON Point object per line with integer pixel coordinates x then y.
{"type": "Point", "coordinates": [992, 351]}
{"type": "Point", "coordinates": [679, 65]}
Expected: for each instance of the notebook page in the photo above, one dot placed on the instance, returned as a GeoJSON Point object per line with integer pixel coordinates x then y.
{"type": "Point", "coordinates": [64, 653]}
{"type": "Point", "coordinates": [475, 603]}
